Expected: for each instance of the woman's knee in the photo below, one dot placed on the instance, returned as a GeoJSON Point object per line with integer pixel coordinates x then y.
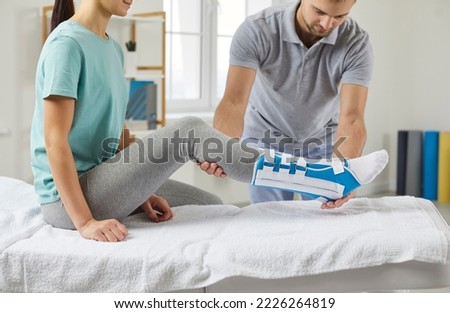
{"type": "Point", "coordinates": [210, 198]}
{"type": "Point", "coordinates": [192, 122]}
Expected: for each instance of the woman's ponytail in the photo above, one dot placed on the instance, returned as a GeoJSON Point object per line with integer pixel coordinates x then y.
{"type": "Point", "coordinates": [62, 11]}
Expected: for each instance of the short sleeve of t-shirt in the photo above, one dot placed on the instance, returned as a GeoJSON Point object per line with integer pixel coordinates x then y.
{"type": "Point", "coordinates": [61, 68]}
{"type": "Point", "coordinates": [358, 63]}
{"type": "Point", "coordinates": [247, 46]}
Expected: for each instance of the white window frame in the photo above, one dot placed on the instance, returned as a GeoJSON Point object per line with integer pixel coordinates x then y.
{"type": "Point", "coordinates": [208, 74]}
{"type": "Point", "coordinates": [201, 104]}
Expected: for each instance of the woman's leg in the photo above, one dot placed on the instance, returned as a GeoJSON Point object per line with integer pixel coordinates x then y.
{"type": "Point", "coordinates": [56, 215]}
{"type": "Point", "coordinates": [115, 188]}
{"type": "Point", "coordinates": [118, 186]}
{"type": "Point", "coordinates": [178, 193]}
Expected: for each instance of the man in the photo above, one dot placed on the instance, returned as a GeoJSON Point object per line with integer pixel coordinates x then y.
{"type": "Point", "coordinates": [298, 74]}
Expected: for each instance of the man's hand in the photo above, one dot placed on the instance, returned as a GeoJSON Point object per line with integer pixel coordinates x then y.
{"type": "Point", "coordinates": [212, 169]}
{"type": "Point", "coordinates": [157, 209]}
{"type": "Point", "coordinates": [338, 202]}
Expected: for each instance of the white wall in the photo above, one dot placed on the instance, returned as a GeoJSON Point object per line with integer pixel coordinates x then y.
{"type": "Point", "coordinates": [379, 19]}
{"type": "Point", "coordinates": [21, 36]}
{"type": "Point", "coordinates": [409, 89]}
{"type": "Point", "coordinates": [412, 50]}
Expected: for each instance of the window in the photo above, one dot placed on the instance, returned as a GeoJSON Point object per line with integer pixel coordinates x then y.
{"type": "Point", "coordinates": [199, 34]}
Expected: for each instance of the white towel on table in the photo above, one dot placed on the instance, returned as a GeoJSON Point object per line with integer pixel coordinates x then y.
{"type": "Point", "coordinates": [20, 215]}
{"type": "Point", "coordinates": [204, 244]}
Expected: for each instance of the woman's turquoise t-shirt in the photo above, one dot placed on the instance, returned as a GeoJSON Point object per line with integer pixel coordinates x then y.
{"type": "Point", "coordinates": [77, 63]}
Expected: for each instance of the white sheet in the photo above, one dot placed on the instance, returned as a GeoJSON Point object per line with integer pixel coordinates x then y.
{"type": "Point", "coordinates": [203, 245]}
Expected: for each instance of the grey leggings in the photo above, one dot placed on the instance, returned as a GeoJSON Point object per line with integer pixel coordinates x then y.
{"type": "Point", "coordinates": [115, 188]}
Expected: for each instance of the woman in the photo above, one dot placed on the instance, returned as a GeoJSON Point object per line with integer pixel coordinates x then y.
{"type": "Point", "coordinates": [83, 182]}
{"type": "Point", "coordinates": [81, 101]}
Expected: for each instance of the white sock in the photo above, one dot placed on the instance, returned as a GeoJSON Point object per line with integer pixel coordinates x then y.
{"type": "Point", "coordinates": [367, 167]}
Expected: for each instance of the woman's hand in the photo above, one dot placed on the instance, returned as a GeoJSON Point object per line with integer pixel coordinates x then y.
{"type": "Point", "coordinates": [126, 139]}
{"type": "Point", "coordinates": [157, 209]}
{"type": "Point", "coordinates": [106, 230]}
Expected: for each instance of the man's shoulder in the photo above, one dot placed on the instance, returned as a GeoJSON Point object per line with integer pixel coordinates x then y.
{"type": "Point", "coordinates": [351, 30]}
{"type": "Point", "coordinates": [270, 14]}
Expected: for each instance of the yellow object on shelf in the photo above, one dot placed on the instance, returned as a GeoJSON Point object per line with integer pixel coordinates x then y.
{"type": "Point", "coordinates": [444, 168]}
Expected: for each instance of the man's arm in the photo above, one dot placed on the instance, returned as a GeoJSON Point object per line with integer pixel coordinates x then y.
{"type": "Point", "coordinates": [229, 115]}
{"type": "Point", "coordinates": [351, 122]}
{"type": "Point", "coordinates": [351, 132]}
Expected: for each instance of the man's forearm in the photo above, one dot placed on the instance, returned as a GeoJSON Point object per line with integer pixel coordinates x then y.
{"type": "Point", "coordinates": [350, 140]}
{"type": "Point", "coordinates": [229, 120]}
{"type": "Point", "coordinates": [351, 133]}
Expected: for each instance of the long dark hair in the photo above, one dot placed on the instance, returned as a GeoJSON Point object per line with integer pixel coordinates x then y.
{"type": "Point", "coordinates": [62, 11]}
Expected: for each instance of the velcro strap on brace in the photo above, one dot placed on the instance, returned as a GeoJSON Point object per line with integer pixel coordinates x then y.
{"type": "Point", "coordinates": [338, 166]}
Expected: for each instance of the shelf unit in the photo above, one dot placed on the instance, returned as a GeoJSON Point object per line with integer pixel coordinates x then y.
{"type": "Point", "coordinates": [143, 71]}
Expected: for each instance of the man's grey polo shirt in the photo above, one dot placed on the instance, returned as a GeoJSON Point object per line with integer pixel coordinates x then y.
{"type": "Point", "coordinates": [296, 90]}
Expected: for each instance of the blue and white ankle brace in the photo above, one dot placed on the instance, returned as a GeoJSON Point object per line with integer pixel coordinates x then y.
{"type": "Point", "coordinates": [323, 182]}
